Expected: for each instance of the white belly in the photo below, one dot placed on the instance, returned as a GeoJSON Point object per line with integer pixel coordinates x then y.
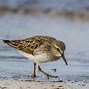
{"type": "Point", "coordinates": [39, 58]}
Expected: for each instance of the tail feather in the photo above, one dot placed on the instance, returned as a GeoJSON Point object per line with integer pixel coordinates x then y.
{"type": "Point", "coordinates": [6, 41]}
{"type": "Point", "coordinates": [11, 43]}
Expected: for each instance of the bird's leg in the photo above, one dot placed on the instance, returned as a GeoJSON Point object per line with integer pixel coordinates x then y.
{"type": "Point", "coordinates": [34, 75]}
{"type": "Point", "coordinates": [48, 75]}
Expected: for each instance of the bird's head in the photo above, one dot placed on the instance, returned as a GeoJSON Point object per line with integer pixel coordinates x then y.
{"type": "Point", "coordinates": [58, 48]}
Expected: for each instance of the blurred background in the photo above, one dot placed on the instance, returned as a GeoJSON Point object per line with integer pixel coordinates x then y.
{"type": "Point", "coordinates": [66, 20]}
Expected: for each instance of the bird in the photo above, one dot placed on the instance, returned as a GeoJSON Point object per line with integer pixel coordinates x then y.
{"type": "Point", "coordinates": [39, 49]}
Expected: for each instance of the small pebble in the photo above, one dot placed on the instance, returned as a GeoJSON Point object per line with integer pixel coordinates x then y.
{"type": "Point", "coordinates": [56, 88]}
{"type": "Point", "coordinates": [52, 85]}
{"type": "Point", "coordinates": [4, 87]}
{"type": "Point", "coordinates": [0, 86]}
{"type": "Point", "coordinates": [54, 70]}
{"type": "Point", "coordinates": [29, 87]}
{"type": "Point", "coordinates": [41, 83]}
{"type": "Point", "coordinates": [68, 80]}
{"type": "Point", "coordinates": [83, 84]}
{"type": "Point", "coordinates": [21, 88]}
{"type": "Point", "coordinates": [76, 80]}
{"type": "Point", "coordinates": [60, 80]}
{"type": "Point", "coordinates": [60, 86]}
{"type": "Point", "coordinates": [72, 82]}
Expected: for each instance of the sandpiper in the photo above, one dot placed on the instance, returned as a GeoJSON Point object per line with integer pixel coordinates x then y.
{"type": "Point", "coordinates": [40, 49]}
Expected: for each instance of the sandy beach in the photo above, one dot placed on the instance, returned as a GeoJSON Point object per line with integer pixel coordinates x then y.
{"type": "Point", "coordinates": [14, 84]}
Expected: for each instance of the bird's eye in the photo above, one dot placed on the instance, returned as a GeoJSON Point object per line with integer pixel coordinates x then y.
{"type": "Point", "coordinates": [58, 49]}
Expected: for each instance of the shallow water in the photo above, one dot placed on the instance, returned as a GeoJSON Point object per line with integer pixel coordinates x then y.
{"type": "Point", "coordinates": [74, 33]}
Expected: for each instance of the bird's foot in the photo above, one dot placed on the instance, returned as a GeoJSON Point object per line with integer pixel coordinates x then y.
{"type": "Point", "coordinates": [48, 75]}
{"type": "Point", "coordinates": [33, 76]}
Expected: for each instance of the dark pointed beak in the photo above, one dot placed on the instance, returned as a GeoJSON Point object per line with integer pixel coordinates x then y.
{"type": "Point", "coordinates": [64, 59]}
